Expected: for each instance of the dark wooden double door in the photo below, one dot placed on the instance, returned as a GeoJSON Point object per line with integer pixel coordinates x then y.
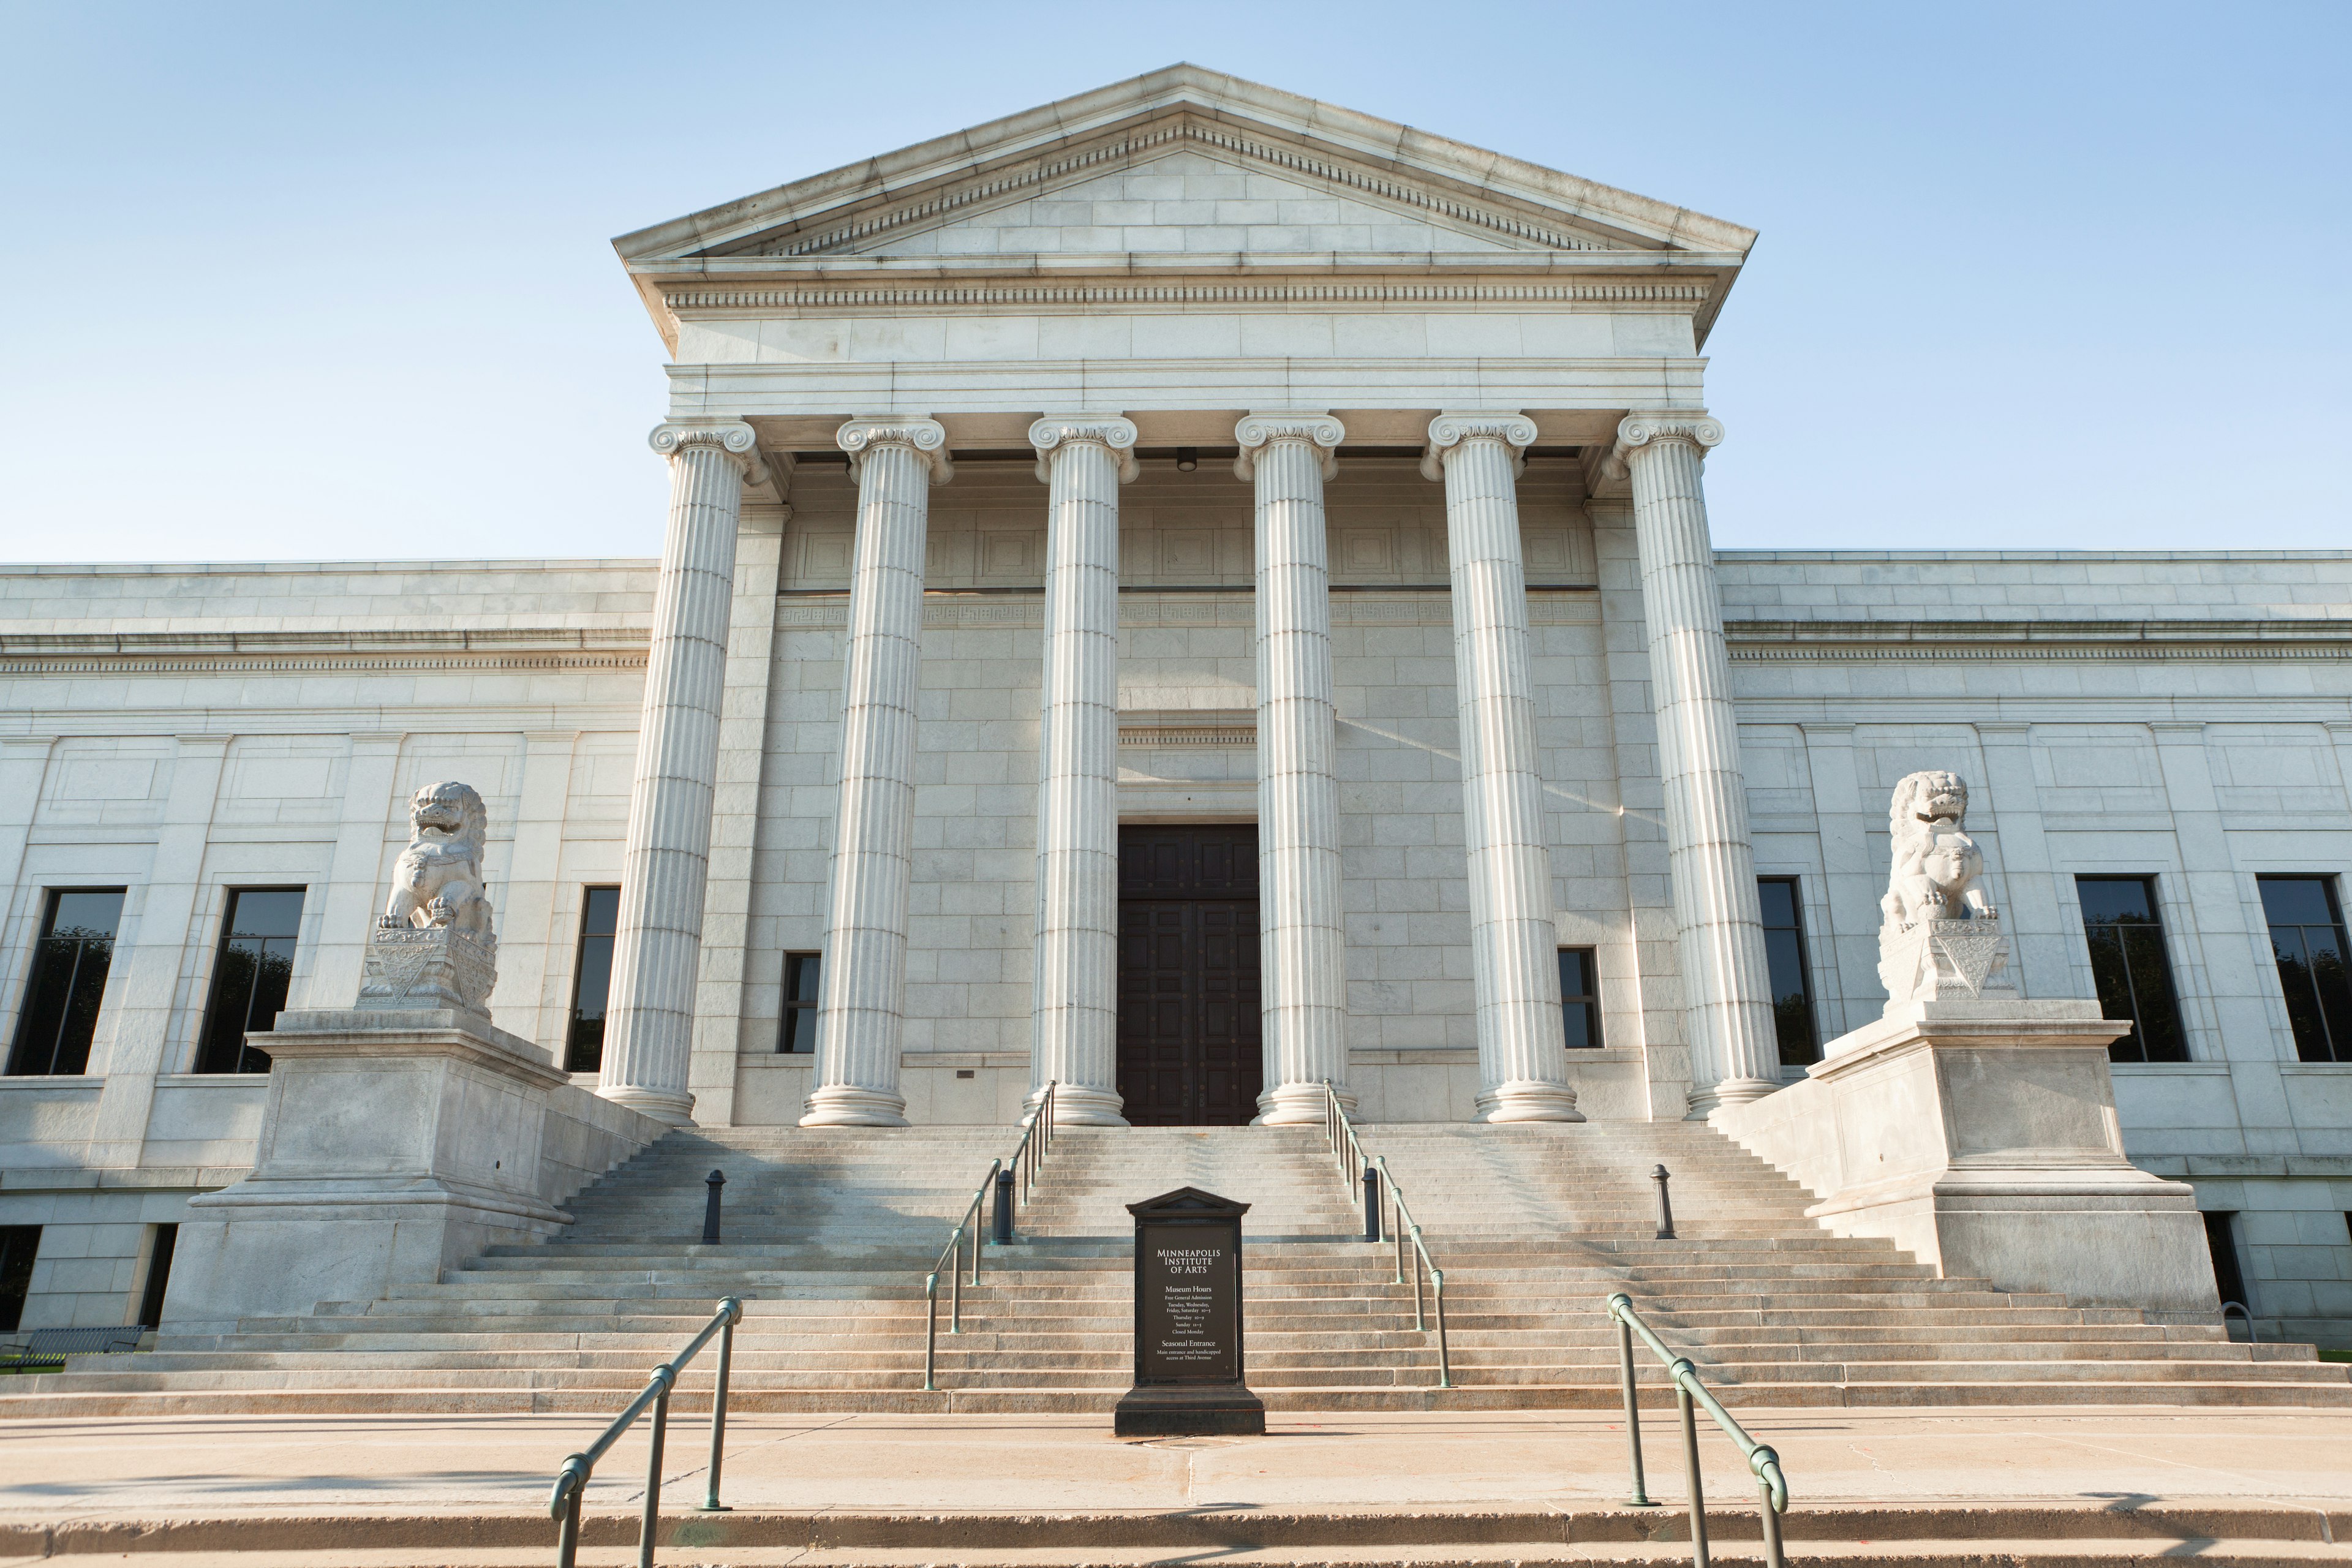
{"type": "Point", "coordinates": [1188, 977]}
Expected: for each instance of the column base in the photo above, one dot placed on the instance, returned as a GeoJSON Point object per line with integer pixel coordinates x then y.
{"type": "Point", "coordinates": [1296, 1105]}
{"type": "Point", "coordinates": [671, 1107]}
{"type": "Point", "coordinates": [1527, 1100]}
{"type": "Point", "coordinates": [1730, 1092]}
{"type": "Point", "coordinates": [1077, 1106]}
{"type": "Point", "coordinates": [848, 1105]}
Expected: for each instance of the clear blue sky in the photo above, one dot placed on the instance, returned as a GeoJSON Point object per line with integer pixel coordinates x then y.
{"type": "Point", "coordinates": [334, 280]}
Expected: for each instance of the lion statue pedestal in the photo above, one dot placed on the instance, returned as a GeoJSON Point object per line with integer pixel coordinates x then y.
{"type": "Point", "coordinates": [1973, 1128]}
{"type": "Point", "coordinates": [406, 1134]}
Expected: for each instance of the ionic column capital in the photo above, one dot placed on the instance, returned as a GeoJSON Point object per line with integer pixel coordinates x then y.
{"type": "Point", "coordinates": [1447, 432]}
{"type": "Point", "coordinates": [730, 437]}
{"type": "Point", "coordinates": [1647, 429]}
{"type": "Point", "coordinates": [927, 438]}
{"type": "Point", "coordinates": [1057, 430]}
{"type": "Point", "coordinates": [1260, 430]}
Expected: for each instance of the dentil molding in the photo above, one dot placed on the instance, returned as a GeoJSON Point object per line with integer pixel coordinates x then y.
{"type": "Point", "coordinates": [927, 438]}
{"type": "Point", "coordinates": [1056, 430]}
{"type": "Point", "coordinates": [1259, 430]}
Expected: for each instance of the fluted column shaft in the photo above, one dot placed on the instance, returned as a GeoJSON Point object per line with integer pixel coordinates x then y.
{"type": "Point", "coordinates": [1074, 1011]}
{"type": "Point", "coordinates": [862, 987]}
{"type": "Point", "coordinates": [1513, 933]}
{"type": "Point", "coordinates": [1302, 941]}
{"type": "Point", "coordinates": [665, 861]}
{"type": "Point", "coordinates": [1735, 1052]}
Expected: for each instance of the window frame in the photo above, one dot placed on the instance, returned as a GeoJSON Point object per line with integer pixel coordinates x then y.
{"type": "Point", "coordinates": [1590, 1000]}
{"type": "Point", "coordinates": [2132, 1049]}
{"type": "Point", "coordinates": [572, 1022]}
{"type": "Point", "coordinates": [2332, 1048]}
{"type": "Point", "coordinates": [11, 1263]}
{"type": "Point", "coordinates": [244, 1065]}
{"type": "Point", "coordinates": [1795, 883]}
{"type": "Point", "coordinates": [16, 1065]}
{"type": "Point", "coordinates": [789, 1008]}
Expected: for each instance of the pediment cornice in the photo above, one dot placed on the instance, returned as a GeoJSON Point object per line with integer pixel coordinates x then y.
{"type": "Point", "coordinates": [1183, 106]}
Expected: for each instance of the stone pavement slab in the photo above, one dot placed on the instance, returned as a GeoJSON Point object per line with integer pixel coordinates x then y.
{"type": "Point", "coordinates": [128, 1468]}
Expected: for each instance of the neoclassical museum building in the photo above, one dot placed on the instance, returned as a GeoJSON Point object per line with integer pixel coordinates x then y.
{"type": "Point", "coordinates": [1188, 594]}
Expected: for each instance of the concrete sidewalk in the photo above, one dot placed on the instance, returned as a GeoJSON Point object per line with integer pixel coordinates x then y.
{"type": "Point", "coordinates": [60, 1472]}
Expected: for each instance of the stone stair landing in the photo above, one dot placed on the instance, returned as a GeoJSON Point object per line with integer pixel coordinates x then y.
{"type": "Point", "coordinates": [829, 1232]}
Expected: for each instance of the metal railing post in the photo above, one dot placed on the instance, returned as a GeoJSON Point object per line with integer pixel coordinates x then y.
{"type": "Point", "coordinates": [710, 1503]}
{"type": "Point", "coordinates": [1665, 1205]}
{"type": "Point", "coordinates": [1641, 1497]}
{"type": "Point", "coordinates": [567, 1532]}
{"type": "Point", "coordinates": [1690, 1466]}
{"type": "Point", "coordinates": [1396, 1227]}
{"type": "Point", "coordinates": [1445, 1359]}
{"type": "Point", "coordinates": [715, 1181]}
{"type": "Point", "coordinates": [955, 1282]}
{"type": "Point", "coordinates": [652, 1525]}
{"type": "Point", "coordinates": [1419, 1326]}
{"type": "Point", "coordinates": [931, 1331]}
{"type": "Point", "coordinates": [1764, 1460]}
{"type": "Point", "coordinates": [1372, 1205]}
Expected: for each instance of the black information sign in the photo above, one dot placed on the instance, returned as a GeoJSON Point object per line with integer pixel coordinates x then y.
{"type": "Point", "coordinates": [1188, 1320]}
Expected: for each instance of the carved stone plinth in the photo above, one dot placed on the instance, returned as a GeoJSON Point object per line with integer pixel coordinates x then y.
{"type": "Point", "coordinates": [1981, 1137]}
{"type": "Point", "coordinates": [410, 967]}
{"type": "Point", "coordinates": [394, 1145]}
{"type": "Point", "coordinates": [1943, 961]}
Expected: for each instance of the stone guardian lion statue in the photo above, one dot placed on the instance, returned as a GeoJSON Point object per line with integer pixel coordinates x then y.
{"type": "Point", "coordinates": [437, 881]}
{"type": "Point", "coordinates": [1936, 865]}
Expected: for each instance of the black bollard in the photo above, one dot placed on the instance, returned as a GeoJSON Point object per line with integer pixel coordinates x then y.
{"type": "Point", "coordinates": [1004, 1226]}
{"type": "Point", "coordinates": [1371, 1204]}
{"type": "Point", "coordinates": [716, 1180]}
{"type": "Point", "coordinates": [1665, 1205]}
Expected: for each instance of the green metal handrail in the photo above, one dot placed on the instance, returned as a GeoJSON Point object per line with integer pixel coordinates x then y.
{"type": "Point", "coordinates": [1036, 1142]}
{"type": "Point", "coordinates": [571, 1478]}
{"type": "Point", "coordinates": [1689, 1391]}
{"type": "Point", "coordinates": [1349, 1158]}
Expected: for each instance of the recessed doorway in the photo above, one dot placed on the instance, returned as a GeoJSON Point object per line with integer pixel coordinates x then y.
{"type": "Point", "coordinates": [1188, 975]}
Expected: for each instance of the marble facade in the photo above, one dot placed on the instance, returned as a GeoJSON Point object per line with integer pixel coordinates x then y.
{"type": "Point", "coordinates": [1183, 452]}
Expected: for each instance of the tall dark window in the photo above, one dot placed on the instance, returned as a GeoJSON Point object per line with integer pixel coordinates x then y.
{"type": "Point", "coordinates": [1580, 997]}
{"type": "Point", "coordinates": [256, 964]}
{"type": "Point", "coordinates": [1792, 984]}
{"type": "Point", "coordinates": [2127, 938]}
{"type": "Point", "coordinates": [796, 1031]}
{"type": "Point", "coordinates": [2307, 933]}
{"type": "Point", "coordinates": [68, 977]}
{"type": "Point", "coordinates": [19, 1243]}
{"type": "Point", "coordinates": [159, 1275]}
{"type": "Point", "coordinates": [2222, 1241]}
{"type": "Point", "coordinates": [592, 979]}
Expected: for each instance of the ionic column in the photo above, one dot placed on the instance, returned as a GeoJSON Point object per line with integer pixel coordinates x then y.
{"type": "Point", "coordinates": [657, 938]}
{"type": "Point", "coordinates": [1075, 999]}
{"type": "Point", "coordinates": [862, 988]}
{"type": "Point", "coordinates": [1301, 940]}
{"type": "Point", "coordinates": [1514, 932]}
{"type": "Point", "coordinates": [1735, 1053]}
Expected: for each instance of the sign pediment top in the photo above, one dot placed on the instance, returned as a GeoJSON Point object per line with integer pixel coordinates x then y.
{"type": "Point", "coordinates": [1188, 1201]}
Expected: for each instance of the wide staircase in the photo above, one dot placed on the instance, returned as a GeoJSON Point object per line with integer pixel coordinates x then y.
{"type": "Point", "coordinates": [829, 1236]}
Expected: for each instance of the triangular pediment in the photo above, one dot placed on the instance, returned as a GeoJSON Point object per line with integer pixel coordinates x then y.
{"type": "Point", "coordinates": [1181, 161]}
{"type": "Point", "coordinates": [1183, 184]}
